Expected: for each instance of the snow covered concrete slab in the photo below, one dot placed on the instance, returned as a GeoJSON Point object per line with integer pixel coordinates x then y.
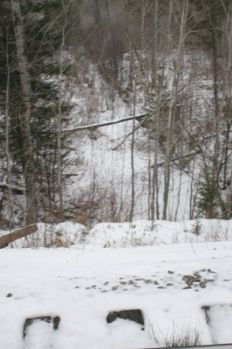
{"type": "Point", "coordinates": [170, 284]}
{"type": "Point", "coordinates": [39, 334]}
{"type": "Point", "coordinates": [219, 319]}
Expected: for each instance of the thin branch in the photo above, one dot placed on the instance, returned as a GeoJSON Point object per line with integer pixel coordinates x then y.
{"type": "Point", "coordinates": [15, 190]}
{"type": "Point", "coordinates": [160, 164]}
{"type": "Point", "coordinates": [104, 123]}
{"type": "Point", "coordinates": [130, 133]}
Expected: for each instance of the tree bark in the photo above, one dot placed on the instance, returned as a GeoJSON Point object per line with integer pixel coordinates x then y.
{"type": "Point", "coordinates": [7, 146]}
{"type": "Point", "coordinates": [59, 120]}
{"type": "Point", "coordinates": [25, 113]}
{"type": "Point", "coordinates": [132, 158]}
{"type": "Point", "coordinates": [174, 91]}
{"type": "Point", "coordinates": [19, 233]}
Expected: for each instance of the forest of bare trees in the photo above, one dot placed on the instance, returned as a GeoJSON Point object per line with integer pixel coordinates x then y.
{"type": "Point", "coordinates": [169, 64]}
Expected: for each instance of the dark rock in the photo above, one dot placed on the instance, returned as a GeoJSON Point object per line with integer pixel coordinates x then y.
{"type": "Point", "coordinates": [123, 282]}
{"type": "Point", "coordinates": [202, 284]}
{"type": "Point", "coordinates": [211, 271]}
{"type": "Point", "coordinates": [188, 279]}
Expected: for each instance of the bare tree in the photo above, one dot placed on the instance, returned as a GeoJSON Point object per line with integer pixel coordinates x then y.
{"type": "Point", "coordinates": [7, 147]}
{"type": "Point", "coordinates": [25, 112]}
{"type": "Point", "coordinates": [174, 89]}
{"type": "Point", "coordinates": [132, 156]}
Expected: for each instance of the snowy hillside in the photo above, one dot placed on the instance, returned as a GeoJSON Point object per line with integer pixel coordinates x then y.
{"type": "Point", "coordinates": [101, 159]}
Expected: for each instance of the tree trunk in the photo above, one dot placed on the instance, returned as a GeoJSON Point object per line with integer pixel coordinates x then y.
{"type": "Point", "coordinates": [174, 91]}
{"type": "Point", "coordinates": [7, 146]}
{"type": "Point", "coordinates": [156, 117]}
{"type": "Point", "coordinates": [132, 157]}
{"type": "Point", "coordinates": [19, 233]}
{"type": "Point", "coordinates": [25, 113]}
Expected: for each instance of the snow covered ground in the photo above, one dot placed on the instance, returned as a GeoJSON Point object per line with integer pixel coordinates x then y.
{"type": "Point", "coordinates": [169, 282]}
{"type": "Point", "coordinates": [138, 233]}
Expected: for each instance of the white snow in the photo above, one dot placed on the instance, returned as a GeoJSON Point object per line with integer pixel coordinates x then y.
{"type": "Point", "coordinates": [140, 233]}
{"type": "Point", "coordinates": [84, 283]}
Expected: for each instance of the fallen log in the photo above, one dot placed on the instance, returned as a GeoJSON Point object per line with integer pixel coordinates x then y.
{"type": "Point", "coordinates": [17, 234]}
